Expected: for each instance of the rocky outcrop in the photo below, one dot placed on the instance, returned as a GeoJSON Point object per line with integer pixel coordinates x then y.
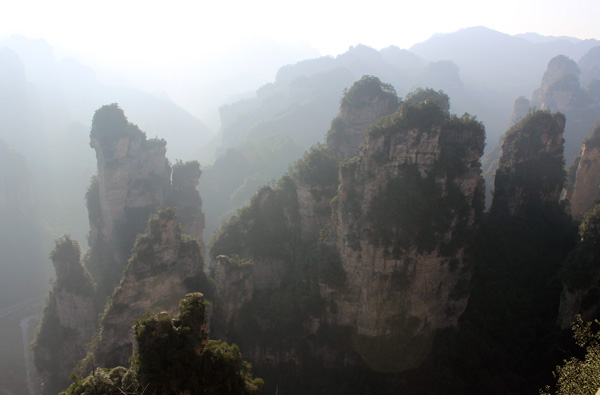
{"type": "Point", "coordinates": [561, 91]}
{"type": "Point", "coordinates": [589, 64]}
{"type": "Point", "coordinates": [133, 172]}
{"type": "Point", "coordinates": [165, 265]}
{"type": "Point", "coordinates": [530, 170]}
{"type": "Point", "coordinates": [69, 320]}
{"type": "Point", "coordinates": [583, 189]}
{"type": "Point", "coordinates": [403, 210]}
{"type": "Point", "coordinates": [377, 252]}
{"type": "Point", "coordinates": [366, 101]}
{"type": "Point", "coordinates": [134, 180]}
{"type": "Point", "coordinates": [235, 285]}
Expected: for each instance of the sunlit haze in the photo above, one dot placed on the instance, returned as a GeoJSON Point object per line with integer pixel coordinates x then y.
{"type": "Point", "coordinates": [154, 44]}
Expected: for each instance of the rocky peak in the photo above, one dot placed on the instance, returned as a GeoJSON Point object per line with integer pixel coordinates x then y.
{"type": "Point", "coordinates": [164, 265]}
{"type": "Point", "coordinates": [589, 64]}
{"type": "Point", "coordinates": [69, 320]}
{"type": "Point", "coordinates": [403, 209]}
{"type": "Point", "coordinates": [133, 172]}
{"type": "Point", "coordinates": [530, 170]}
{"type": "Point", "coordinates": [65, 258]}
{"type": "Point", "coordinates": [362, 105]}
{"type": "Point", "coordinates": [558, 68]}
{"type": "Point", "coordinates": [133, 181]}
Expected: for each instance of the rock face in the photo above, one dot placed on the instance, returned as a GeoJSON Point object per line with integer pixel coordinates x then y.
{"type": "Point", "coordinates": [530, 170]}
{"type": "Point", "coordinates": [377, 252]}
{"type": "Point", "coordinates": [164, 266]}
{"type": "Point", "coordinates": [581, 274]}
{"type": "Point", "coordinates": [70, 313]}
{"type": "Point", "coordinates": [365, 102]}
{"type": "Point", "coordinates": [134, 180]}
{"type": "Point", "coordinates": [133, 172]}
{"type": "Point", "coordinates": [404, 207]}
{"type": "Point", "coordinates": [584, 188]}
{"type": "Point", "coordinates": [561, 90]}
{"type": "Point", "coordinates": [236, 287]}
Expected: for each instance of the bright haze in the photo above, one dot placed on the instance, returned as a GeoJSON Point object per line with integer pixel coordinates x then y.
{"type": "Point", "coordinates": [188, 49]}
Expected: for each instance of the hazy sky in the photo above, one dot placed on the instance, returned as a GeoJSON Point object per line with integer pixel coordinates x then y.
{"type": "Point", "coordinates": [164, 40]}
{"type": "Point", "coordinates": [133, 31]}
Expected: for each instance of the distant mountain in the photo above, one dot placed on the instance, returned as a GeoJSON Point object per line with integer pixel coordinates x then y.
{"type": "Point", "coordinates": [69, 92]}
{"type": "Point", "coordinates": [498, 66]}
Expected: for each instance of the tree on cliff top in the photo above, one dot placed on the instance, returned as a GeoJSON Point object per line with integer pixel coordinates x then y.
{"type": "Point", "coordinates": [175, 356]}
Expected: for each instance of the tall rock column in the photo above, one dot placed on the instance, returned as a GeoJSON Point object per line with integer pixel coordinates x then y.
{"type": "Point", "coordinates": [400, 228]}
{"type": "Point", "coordinates": [164, 266]}
{"type": "Point", "coordinates": [531, 168]}
{"type": "Point", "coordinates": [70, 318]}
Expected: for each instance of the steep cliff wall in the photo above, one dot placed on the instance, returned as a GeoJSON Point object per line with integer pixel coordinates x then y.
{"type": "Point", "coordinates": [364, 103]}
{"type": "Point", "coordinates": [581, 274]}
{"type": "Point", "coordinates": [583, 190]}
{"type": "Point", "coordinates": [69, 320]}
{"type": "Point", "coordinates": [357, 267]}
{"type": "Point", "coordinates": [165, 265]}
{"type": "Point", "coordinates": [531, 168]}
{"type": "Point", "coordinates": [134, 180]}
{"type": "Point", "coordinates": [400, 223]}
{"type": "Point", "coordinates": [561, 90]}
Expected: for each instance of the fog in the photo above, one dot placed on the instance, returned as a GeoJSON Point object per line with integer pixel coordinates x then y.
{"type": "Point", "coordinates": [244, 88]}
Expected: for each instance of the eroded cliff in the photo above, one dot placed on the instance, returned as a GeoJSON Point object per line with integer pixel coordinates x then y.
{"type": "Point", "coordinates": [531, 168]}
{"type": "Point", "coordinates": [583, 188]}
{"type": "Point", "coordinates": [70, 313]}
{"type": "Point", "coordinates": [164, 266]}
{"type": "Point", "coordinates": [375, 255]}
{"type": "Point", "coordinates": [400, 225]}
{"type": "Point", "coordinates": [133, 181]}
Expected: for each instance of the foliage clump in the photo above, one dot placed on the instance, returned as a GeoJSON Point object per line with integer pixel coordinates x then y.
{"type": "Point", "coordinates": [419, 206]}
{"type": "Point", "coordinates": [531, 168]}
{"type": "Point", "coordinates": [580, 376]}
{"type": "Point", "coordinates": [318, 167]}
{"type": "Point", "coordinates": [364, 90]}
{"type": "Point", "coordinates": [264, 228]}
{"type": "Point", "coordinates": [175, 356]}
{"type": "Point", "coordinates": [428, 95]}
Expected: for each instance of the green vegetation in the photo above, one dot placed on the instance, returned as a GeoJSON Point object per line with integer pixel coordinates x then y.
{"type": "Point", "coordinates": [263, 229]}
{"type": "Point", "coordinates": [580, 376]}
{"type": "Point", "coordinates": [416, 210]}
{"type": "Point", "coordinates": [175, 356]}
{"type": "Point", "coordinates": [318, 167]}
{"type": "Point", "coordinates": [410, 212]}
{"type": "Point", "coordinates": [110, 123]}
{"type": "Point", "coordinates": [526, 167]}
{"type": "Point", "coordinates": [70, 273]}
{"type": "Point", "coordinates": [428, 95]}
{"type": "Point", "coordinates": [364, 90]}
